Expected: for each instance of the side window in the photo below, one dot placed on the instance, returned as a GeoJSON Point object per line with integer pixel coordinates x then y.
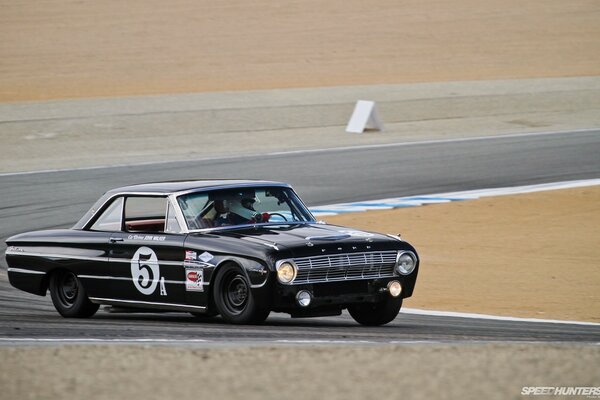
{"type": "Point", "coordinates": [110, 220]}
{"type": "Point", "coordinates": [172, 224]}
{"type": "Point", "coordinates": [145, 214]}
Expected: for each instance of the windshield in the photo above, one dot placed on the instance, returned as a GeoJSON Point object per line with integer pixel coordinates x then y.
{"type": "Point", "coordinates": [232, 207]}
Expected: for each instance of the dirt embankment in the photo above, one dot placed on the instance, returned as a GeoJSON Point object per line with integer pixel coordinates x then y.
{"type": "Point", "coordinates": [64, 49]}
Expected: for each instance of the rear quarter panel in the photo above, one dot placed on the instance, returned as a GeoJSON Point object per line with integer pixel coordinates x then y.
{"type": "Point", "coordinates": [33, 257]}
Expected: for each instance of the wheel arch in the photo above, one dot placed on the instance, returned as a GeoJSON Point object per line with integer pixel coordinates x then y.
{"type": "Point", "coordinates": [71, 301]}
{"type": "Point", "coordinates": [256, 272]}
{"type": "Point", "coordinates": [211, 286]}
{"type": "Point", "coordinates": [257, 306]}
{"type": "Point", "coordinates": [50, 273]}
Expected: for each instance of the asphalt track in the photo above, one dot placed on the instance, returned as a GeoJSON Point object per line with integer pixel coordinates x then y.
{"type": "Point", "coordinates": [57, 199]}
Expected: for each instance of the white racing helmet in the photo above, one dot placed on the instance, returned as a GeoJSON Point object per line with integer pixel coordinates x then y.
{"type": "Point", "coordinates": [243, 205]}
{"type": "Point", "coordinates": [237, 208]}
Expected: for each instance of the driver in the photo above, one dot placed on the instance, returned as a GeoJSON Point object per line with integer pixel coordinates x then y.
{"type": "Point", "coordinates": [241, 209]}
{"type": "Point", "coordinates": [232, 209]}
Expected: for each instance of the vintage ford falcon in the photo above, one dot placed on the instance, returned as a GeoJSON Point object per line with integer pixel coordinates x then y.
{"type": "Point", "coordinates": [240, 249]}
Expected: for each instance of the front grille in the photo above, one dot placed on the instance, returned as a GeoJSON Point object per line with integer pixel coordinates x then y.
{"type": "Point", "coordinates": [343, 267]}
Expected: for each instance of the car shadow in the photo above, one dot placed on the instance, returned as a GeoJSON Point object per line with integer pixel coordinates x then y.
{"type": "Point", "coordinates": [274, 320]}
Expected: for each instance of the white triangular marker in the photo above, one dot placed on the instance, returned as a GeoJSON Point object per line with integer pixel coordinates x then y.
{"type": "Point", "coordinates": [364, 116]}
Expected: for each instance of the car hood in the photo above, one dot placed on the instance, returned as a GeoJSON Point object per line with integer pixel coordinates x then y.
{"type": "Point", "coordinates": [310, 239]}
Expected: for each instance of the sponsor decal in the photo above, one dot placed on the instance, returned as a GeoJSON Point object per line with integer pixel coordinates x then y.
{"type": "Point", "coordinates": [190, 255]}
{"type": "Point", "coordinates": [152, 238]}
{"type": "Point", "coordinates": [145, 271]}
{"type": "Point", "coordinates": [206, 256]}
{"type": "Point", "coordinates": [194, 279]}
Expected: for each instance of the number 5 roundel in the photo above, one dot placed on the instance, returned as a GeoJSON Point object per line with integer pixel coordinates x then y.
{"type": "Point", "coordinates": [144, 270]}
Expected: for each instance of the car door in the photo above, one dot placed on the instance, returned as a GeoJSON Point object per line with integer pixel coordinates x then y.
{"type": "Point", "coordinates": [146, 256]}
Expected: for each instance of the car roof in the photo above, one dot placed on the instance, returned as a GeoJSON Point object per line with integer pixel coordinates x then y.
{"type": "Point", "coordinates": [170, 187]}
{"type": "Point", "coordinates": [182, 186]}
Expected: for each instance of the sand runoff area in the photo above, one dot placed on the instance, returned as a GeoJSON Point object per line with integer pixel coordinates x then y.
{"type": "Point", "coordinates": [530, 255]}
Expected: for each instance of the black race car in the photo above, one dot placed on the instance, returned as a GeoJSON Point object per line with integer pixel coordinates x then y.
{"type": "Point", "coordinates": [236, 248]}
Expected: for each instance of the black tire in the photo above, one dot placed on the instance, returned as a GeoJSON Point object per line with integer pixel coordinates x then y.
{"type": "Point", "coordinates": [234, 298]}
{"type": "Point", "coordinates": [69, 297]}
{"type": "Point", "coordinates": [375, 314]}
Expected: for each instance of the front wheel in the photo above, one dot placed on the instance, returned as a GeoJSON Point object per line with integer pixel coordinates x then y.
{"type": "Point", "coordinates": [375, 314]}
{"type": "Point", "coordinates": [69, 297]}
{"type": "Point", "coordinates": [234, 298]}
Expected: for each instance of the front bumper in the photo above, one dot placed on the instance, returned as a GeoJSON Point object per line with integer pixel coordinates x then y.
{"type": "Point", "coordinates": [331, 297]}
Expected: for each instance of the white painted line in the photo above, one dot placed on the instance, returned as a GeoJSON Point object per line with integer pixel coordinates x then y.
{"type": "Point", "coordinates": [434, 141]}
{"type": "Point", "coordinates": [491, 341]}
{"type": "Point", "coordinates": [310, 151]}
{"type": "Point", "coordinates": [317, 341]}
{"type": "Point", "coordinates": [228, 343]}
{"type": "Point", "coordinates": [416, 342]}
{"type": "Point", "coordinates": [91, 340]}
{"type": "Point", "coordinates": [433, 313]}
{"type": "Point", "coordinates": [527, 189]}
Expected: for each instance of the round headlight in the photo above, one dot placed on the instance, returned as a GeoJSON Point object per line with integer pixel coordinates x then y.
{"type": "Point", "coordinates": [286, 272]}
{"type": "Point", "coordinates": [406, 263]}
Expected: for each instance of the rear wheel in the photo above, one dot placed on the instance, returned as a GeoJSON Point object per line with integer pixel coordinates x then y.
{"type": "Point", "coordinates": [69, 297]}
{"type": "Point", "coordinates": [234, 298]}
{"type": "Point", "coordinates": [374, 314]}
